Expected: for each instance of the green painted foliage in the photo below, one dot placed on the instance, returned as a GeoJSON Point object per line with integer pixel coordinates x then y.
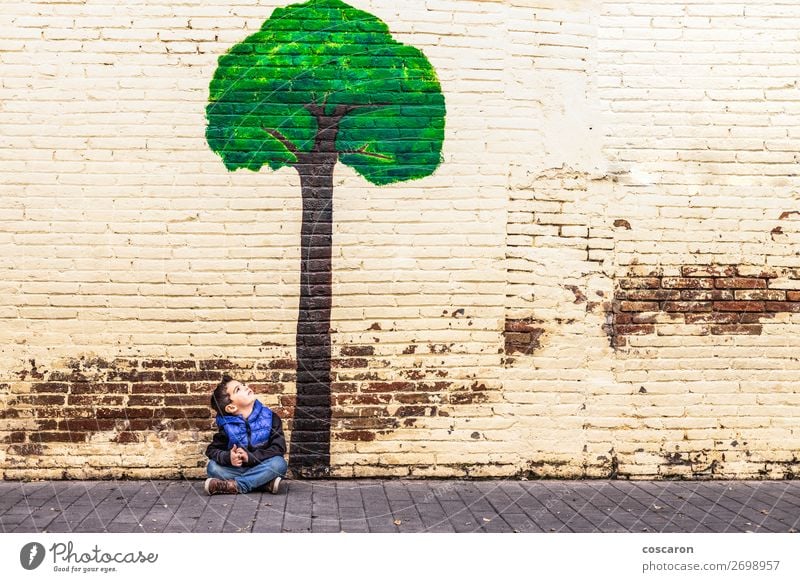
{"type": "Point", "coordinates": [327, 51]}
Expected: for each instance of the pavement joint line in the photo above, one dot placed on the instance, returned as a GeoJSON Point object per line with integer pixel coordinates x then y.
{"type": "Point", "coordinates": [413, 505]}
{"type": "Point", "coordinates": [784, 494]}
{"type": "Point", "coordinates": [689, 494]}
{"type": "Point", "coordinates": [141, 492]}
{"type": "Point", "coordinates": [658, 498]}
{"type": "Point", "coordinates": [590, 502]}
{"type": "Point", "coordinates": [654, 498]}
{"type": "Point", "coordinates": [446, 518]}
{"type": "Point", "coordinates": [714, 503]}
{"type": "Point", "coordinates": [177, 508]}
{"type": "Point", "coordinates": [486, 498]}
{"type": "Point", "coordinates": [562, 497]}
{"type": "Point", "coordinates": [469, 511]}
{"type": "Point", "coordinates": [499, 512]}
{"type": "Point", "coordinates": [64, 510]}
{"type": "Point", "coordinates": [544, 508]}
{"type": "Point", "coordinates": [745, 507]}
{"type": "Point", "coordinates": [618, 505]}
{"type": "Point", "coordinates": [108, 494]}
{"type": "Point", "coordinates": [586, 503]}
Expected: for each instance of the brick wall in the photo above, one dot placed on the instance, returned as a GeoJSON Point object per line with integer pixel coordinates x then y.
{"type": "Point", "coordinates": [600, 279]}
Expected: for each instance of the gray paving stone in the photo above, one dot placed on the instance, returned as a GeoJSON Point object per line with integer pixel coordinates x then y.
{"type": "Point", "coordinates": [269, 513]}
{"type": "Point", "coordinates": [355, 526]}
{"type": "Point", "coordinates": [365, 505]}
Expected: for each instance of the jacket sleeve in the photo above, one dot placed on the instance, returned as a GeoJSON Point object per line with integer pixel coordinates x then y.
{"type": "Point", "coordinates": [274, 447]}
{"type": "Point", "coordinates": [218, 450]}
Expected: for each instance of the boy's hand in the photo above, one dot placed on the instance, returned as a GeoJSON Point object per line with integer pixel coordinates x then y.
{"type": "Point", "coordinates": [243, 454]}
{"type": "Point", "coordinates": [236, 459]}
{"type": "Point", "coordinates": [239, 456]}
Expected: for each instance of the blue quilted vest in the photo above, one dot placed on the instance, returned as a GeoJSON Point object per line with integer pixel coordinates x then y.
{"type": "Point", "coordinates": [246, 433]}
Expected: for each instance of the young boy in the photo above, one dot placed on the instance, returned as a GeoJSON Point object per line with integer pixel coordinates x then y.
{"type": "Point", "coordinates": [247, 451]}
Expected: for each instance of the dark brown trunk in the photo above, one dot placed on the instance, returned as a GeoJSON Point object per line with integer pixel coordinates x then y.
{"type": "Point", "coordinates": [309, 455]}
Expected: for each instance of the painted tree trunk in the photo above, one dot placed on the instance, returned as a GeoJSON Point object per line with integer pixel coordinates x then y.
{"type": "Point", "coordinates": [310, 447]}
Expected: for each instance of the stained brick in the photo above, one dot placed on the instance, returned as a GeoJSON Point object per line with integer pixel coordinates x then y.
{"type": "Point", "coordinates": [739, 306]}
{"type": "Point", "coordinates": [357, 350]}
{"type": "Point", "coordinates": [649, 295]}
{"type": "Point", "coordinates": [736, 329]}
{"type": "Point", "coordinates": [638, 306]}
{"type": "Point", "coordinates": [694, 295]}
{"type": "Point", "coordinates": [95, 400]}
{"type": "Point", "coordinates": [635, 329]}
{"type": "Point", "coordinates": [687, 283]}
{"type": "Point", "coordinates": [640, 283]}
{"type": "Point", "coordinates": [709, 271]}
{"type": "Point", "coordinates": [167, 364]}
{"type": "Point", "coordinates": [355, 435]}
{"type": "Point", "coordinates": [716, 317]}
{"type": "Point", "coordinates": [784, 306]}
{"type": "Point", "coordinates": [49, 387]}
{"type": "Point", "coordinates": [634, 317]}
{"type": "Point", "coordinates": [690, 306]}
{"type": "Point", "coordinates": [740, 283]}
{"type": "Point", "coordinates": [771, 295]}
{"type": "Point", "coordinates": [163, 388]}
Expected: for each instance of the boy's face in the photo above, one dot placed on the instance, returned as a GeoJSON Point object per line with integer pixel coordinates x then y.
{"type": "Point", "coordinates": [242, 397]}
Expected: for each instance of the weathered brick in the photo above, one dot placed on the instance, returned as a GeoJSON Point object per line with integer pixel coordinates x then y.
{"type": "Point", "coordinates": [709, 271]}
{"type": "Point", "coordinates": [49, 387]}
{"type": "Point", "coordinates": [357, 350]}
{"type": "Point", "coordinates": [104, 388]}
{"type": "Point", "coordinates": [771, 295]}
{"type": "Point", "coordinates": [739, 306]}
{"type": "Point", "coordinates": [638, 306]}
{"type": "Point", "coordinates": [784, 306]}
{"type": "Point", "coordinates": [640, 283]}
{"type": "Point", "coordinates": [635, 329]}
{"type": "Point", "coordinates": [736, 329]}
{"type": "Point", "coordinates": [687, 283]}
{"type": "Point", "coordinates": [690, 306]}
{"type": "Point", "coordinates": [650, 295]}
{"type": "Point", "coordinates": [740, 283]}
{"type": "Point", "coordinates": [716, 317]}
{"type": "Point", "coordinates": [693, 295]}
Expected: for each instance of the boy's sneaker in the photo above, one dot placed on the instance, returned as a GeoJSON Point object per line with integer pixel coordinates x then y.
{"type": "Point", "coordinates": [273, 485]}
{"type": "Point", "coordinates": [220, 486]}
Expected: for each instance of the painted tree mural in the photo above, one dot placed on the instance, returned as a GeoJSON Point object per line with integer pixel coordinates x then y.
{"type": "Point", "coordinates": [324, 82]}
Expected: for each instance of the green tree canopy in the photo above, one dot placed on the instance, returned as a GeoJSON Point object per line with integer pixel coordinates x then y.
{"type": "Point", "coordinates": [321, 58]}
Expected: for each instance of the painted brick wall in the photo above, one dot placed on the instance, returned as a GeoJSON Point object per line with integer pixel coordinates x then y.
{"type": "Point", "coordinates": [600, 279]}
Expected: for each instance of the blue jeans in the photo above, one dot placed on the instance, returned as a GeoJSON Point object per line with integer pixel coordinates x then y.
{"type": "Point", "coordinates": [249, 478]}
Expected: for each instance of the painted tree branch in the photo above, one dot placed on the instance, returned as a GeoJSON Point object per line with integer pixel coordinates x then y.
{"type": "Point", "coordinates": [340, 110]}
{"type": "Point", "coordinates": [283, 139]}
{"type": "Point", "coordinates": [362, 151]}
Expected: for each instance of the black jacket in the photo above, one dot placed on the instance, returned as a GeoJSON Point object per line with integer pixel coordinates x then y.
{"type": "Point", "coordinates": [219, 450]}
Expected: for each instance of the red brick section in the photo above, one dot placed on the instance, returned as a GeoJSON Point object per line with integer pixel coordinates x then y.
{"type": "Point", "coordinates": [522, 336]}
{"type": "Point", "coordinates": [128, 397]}
{"type": "Point", "coordinates": [717, 298]}
{"type": "Point", "coordinates": [133, 398]}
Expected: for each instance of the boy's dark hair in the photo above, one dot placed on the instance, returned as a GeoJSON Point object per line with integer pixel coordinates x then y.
{"type": "Point", "coordinates": [220, 397]}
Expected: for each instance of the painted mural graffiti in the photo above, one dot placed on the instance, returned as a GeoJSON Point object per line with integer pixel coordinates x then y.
{"type": "Point", "coordinates": [324, 82]}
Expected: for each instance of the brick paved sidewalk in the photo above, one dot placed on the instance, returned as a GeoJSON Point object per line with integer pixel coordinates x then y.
{"type": "Point", "coordinates": [404, 506]}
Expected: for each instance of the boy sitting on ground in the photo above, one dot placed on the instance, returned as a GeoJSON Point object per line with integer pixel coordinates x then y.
{"type": "Point", "coordinates": [247, 451]}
